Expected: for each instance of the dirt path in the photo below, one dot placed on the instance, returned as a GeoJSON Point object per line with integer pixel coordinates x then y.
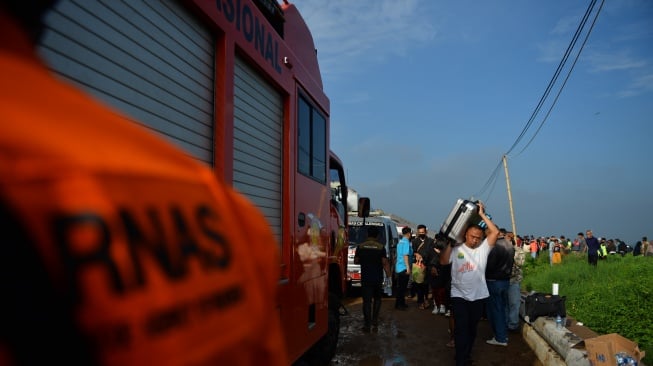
{"type": "Point", "coordinates": [417, 337]}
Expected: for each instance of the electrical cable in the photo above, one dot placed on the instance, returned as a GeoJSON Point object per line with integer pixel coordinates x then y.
{"type": "Point", "coordinates": [490, 183]}
{"type": "Point", "coordinates": [555, 75]}
{"type": "Point", "coordinates": [494, 184]}
{"type": "Point", "coordinates": [566, 79]}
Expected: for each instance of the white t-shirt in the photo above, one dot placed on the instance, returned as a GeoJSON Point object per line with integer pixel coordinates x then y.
{"type": "Point", "coordinates": [468, 271]}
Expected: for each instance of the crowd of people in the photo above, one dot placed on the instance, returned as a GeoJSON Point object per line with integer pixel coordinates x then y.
{"type": "Point", "coordinates": [583, 244]}
{"type": "Point", "coordinates": [478, 278]}
{"type": "Point", "coordinates": [460, 279]}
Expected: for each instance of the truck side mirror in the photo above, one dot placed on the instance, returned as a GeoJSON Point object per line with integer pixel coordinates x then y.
{"type": "Point", "coordinates": [363, 207]}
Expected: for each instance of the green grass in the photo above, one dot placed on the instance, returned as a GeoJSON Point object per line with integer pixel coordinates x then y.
{"type": "Point", "coordinates": [614, 297]}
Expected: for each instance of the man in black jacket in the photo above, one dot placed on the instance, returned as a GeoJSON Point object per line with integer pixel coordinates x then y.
{"type": "Point", "coordinates": [592, 248]}
{"type": "Point", "coordinates": [373, 259]}
{"type": "Point", "coordinates": [497, 276]}
{"type": "Point", "coordinates": [439, 276]}
{"type": "Point", "coordinates": [423, 247]}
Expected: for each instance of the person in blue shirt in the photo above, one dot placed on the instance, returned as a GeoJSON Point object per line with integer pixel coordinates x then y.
{"type": "Point", "coordinates": [402, 267]}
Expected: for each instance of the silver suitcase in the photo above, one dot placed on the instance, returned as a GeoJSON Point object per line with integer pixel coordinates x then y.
{"type": "Point", "coordinates": [464, 213]}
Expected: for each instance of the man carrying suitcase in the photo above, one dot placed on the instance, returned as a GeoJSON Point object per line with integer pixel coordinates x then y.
{"type": "Point", "coordinates": [468, 287]}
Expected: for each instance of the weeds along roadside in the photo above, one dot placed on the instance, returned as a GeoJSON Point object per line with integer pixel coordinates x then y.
{"type": "Point", "coordinates": [616, 296]}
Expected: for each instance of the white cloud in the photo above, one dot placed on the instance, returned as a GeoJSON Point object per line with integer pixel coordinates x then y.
{"type": "Point", "coordinates": [640, 85]}
{"type": "Point", "coordinates": [614, 61]}
{"type": "Point", "coordinates": [644, 82]}
{"type": "Point", "coordinates": [552, 50]}
{"type": "Point", "coordinates": [344, 30]}
{"type": "Point", "coordinates": [566, 26]}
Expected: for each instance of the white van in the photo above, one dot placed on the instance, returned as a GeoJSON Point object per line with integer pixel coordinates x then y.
{"type": "Point", "coordinates": [358, 234]}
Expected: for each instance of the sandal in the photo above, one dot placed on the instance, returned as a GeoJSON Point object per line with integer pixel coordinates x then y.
{"type": "Point", "coordinates": [451, 344]}
{"type": "Point", "coordinates": [425, 306]}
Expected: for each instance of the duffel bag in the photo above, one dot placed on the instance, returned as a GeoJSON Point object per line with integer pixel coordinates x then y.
{"type": "Point", "coordinates": [540, 304]}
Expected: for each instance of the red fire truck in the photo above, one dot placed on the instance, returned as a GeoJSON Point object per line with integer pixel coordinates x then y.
{"type": "Point", "coordinates": [236, 84]}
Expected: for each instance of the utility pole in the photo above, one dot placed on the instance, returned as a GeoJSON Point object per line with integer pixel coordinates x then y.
{"type": "Point", "coordinates": [512, 212]}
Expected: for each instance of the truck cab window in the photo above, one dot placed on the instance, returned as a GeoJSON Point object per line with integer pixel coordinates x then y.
{"type": "Point", "coordinates": [311, 141]}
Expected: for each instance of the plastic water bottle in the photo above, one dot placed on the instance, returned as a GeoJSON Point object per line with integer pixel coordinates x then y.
{"type": "Point", "coordinates": [387, 286]}
{"type": "Point", "coordinates": [558, 322]}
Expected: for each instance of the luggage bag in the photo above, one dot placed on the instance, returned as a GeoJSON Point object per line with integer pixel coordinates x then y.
{"type": "Point", "coordinates": [540, 304]}
{"type": "Point", "coordinates": [463, 213]}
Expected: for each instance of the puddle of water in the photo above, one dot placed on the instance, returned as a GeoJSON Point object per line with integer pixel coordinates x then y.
{"type": "Point", "coordinates": [379, 361]}
{"type": "Point", "coordinates": [352, 335]}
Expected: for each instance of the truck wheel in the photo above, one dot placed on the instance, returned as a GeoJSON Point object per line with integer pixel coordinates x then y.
{"type": "Point", "coordinates": [324, 350]}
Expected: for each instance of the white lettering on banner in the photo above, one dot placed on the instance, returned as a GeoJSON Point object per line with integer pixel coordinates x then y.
{"type": "Point", "coordinates": [368, 223]}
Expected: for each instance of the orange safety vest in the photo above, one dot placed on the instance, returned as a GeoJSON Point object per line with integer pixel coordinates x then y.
{"type": "Point", "coordinates": [118, 248]}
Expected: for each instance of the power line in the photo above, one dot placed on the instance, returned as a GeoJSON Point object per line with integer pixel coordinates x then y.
{"type": "Point", "coordinates": [554, 78]}
{"type": "Point", "coordinates": [490, 181]}
{"type": "Point", "coordinates": [587, 36]}
{"type": "Point", "coordinates": [493, 177]}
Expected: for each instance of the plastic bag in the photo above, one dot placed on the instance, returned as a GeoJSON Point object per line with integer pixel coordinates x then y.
{"type": "Point", "coordinates": [419, 270]}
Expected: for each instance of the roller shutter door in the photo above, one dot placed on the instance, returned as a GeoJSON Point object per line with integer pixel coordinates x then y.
{"type": "Point", "coordinates": [151, 59]}
{"type": "Point", "coordinates": [258, 139]}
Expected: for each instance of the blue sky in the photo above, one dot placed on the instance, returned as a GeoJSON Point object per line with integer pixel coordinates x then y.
{"type": "Point", "coordinates": [427, 96]}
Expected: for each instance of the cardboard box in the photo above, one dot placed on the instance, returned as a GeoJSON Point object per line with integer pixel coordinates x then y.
{"type": "Point", "coordinates": [601, 350]}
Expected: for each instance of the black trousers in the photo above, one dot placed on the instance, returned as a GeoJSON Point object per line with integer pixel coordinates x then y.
{"type": "Point", "coordinates": [466, 316]}
{"type": "Point", "coordinates": [402, 284]}
{"type": "Point", "coordinates": [593, 259]}
{"type": "Point", "coordinates": [372, 294]}
{"type": "Point", "coordinates": [422, 291]}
